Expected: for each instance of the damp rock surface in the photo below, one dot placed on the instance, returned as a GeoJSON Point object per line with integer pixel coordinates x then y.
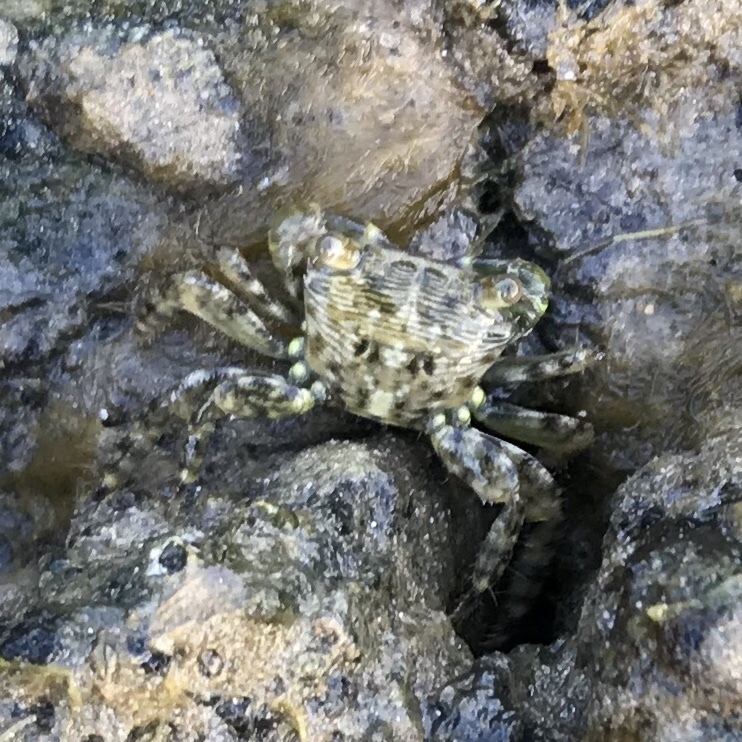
{"type": "Point", "coordinates": [654, 654]}
{"type": "Point", "coordinates": [178, 119]}
{"type": "Point", "coordinates": [308, 603]}
{"type": "Point", "coordinates": [659, 631]}
{"type": "Point", "coordinates": [307, 592]}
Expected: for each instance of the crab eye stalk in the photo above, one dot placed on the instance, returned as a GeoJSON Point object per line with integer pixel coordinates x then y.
{"type": "Point", "coordinates": [336, 252]}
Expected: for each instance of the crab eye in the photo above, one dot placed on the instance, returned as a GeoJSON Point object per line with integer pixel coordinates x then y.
{"type": "Point", "coordinates": [509, 290]}
{"type": "Point", "coordinates": [501, 293]}
{"type": "Point", "coordinates": [337, 252]}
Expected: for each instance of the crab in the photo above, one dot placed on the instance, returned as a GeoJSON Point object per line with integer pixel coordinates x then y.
{"type": "Point", "coordinates": [401, 339]}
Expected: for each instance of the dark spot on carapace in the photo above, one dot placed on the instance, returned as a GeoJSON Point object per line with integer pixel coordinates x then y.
{"type": "Point", "coordinates": [400, 404]}
{"type": "Point", "coordinates": [404, 266]}
{"type": "Point", "coordinates": [373, 352]}
{"type": "Point", "coordinates": [361, 347]}
{"type": "Point", "coordinates": [450, 301]}
{"type": "Point", "coordinates": [377, 296]}
{"type": "Point", "coordinates": [362, 396]}
{"type": "Point", "coordinates": [318, 345]}
{"type": "Point", "coordinates": [387, 307]}
{"type": "Point", "coordinates": [428, 363]}
{"type": "Point", "coordinates": [422, 362]}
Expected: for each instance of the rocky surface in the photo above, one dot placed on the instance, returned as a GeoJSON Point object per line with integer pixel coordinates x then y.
{"type": "Point", "coordinates": [305, 594]}
{"type": "Point", "coordinates": [655, 652]}
{"type": "Point", "coordinates": [659, 634]}
{"type": "Point", "coordinates": [308, 605]}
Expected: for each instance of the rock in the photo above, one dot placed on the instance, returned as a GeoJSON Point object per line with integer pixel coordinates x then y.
{"type": "Point", "coordinates": [655, 654]}
{"type": "Point", "coordinates": [289, 125]}
{"type": "Point", "coordinates": [304, 592]}
{"type": "Point", "coordinates": [662, 307]}
{"type": "Point", "coordinates": [70, 239]}
{"type": "Point", "coordinates": [8, 42]}
{"type": "Point", "coordinates": [659, 634]}
{"type": "Point", "coordinates": [303, 589]}
{"type": "Point", "coordinates": [158, 96]}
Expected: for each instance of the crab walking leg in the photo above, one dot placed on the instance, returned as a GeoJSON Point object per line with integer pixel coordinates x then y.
{"type": "Point", "coordinates": [559, 433]}
{"type": "Point", "coordinates": [481, 462]}
{"type": "Point", "coordinates": [236, 270]}
{"type": "Point", "coordinates": [224, 310]}
{"type": "Point", "coordinates": [290, 239]}
{"type": "Point", "coordinates": [525, 578]}
{"type": "Point", "coordinates": [541, 495]}
{"type": "Point", "coordinates": [512, 370]}
{"type": "Point", "coordinates": [241, 395]}
{"type": "Point", "coordinates": [124, 456]}
{"type": "Point", "coordinates": [145, 431]}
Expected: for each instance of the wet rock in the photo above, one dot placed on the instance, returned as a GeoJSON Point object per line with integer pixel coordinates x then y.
{"type": "Point", "coordinates": [534, 692]}
{"type": "Point", "coordinates": [659, 634]}
{"type": "Point", "coordinates": [70, 238]}
{"type": "Point", "coordinates": [276, 114]}
{"type": "Point", "coordinates": [157, 99]}
{"type": "Point", "coordinates": [674, 49]}
{"type": "Point", "coordinates": [662, 307]}
{"type": "Point", "coordinates": [305, 592]}
{"type": "Point", "coordinates": [70, 231]}
{"type": "Point", "coordinates": [309, 602]}
{"type": "Point", "coordinates": [655, 654]}
{"type": "Point", "coordinates": [329, 124]}
{"type": "Point", "coordinates": [476, 706]}
{"type": "Point", "coordinates": [8, 42]}
{"type": "Point", "coordinates": [528, 25]}
{"type": "Point", "coordinates": [496, 70]}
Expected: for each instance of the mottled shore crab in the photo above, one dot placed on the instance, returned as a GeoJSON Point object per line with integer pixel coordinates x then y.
{"type": "Point", "coordinates": [401, 339]}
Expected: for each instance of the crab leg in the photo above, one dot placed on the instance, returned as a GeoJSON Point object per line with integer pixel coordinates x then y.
{"type": "Point", "coordinates": [559, 433]}
{"type": "Point", "coordinates": [236, 271]}
{"type": "Point", "coordinates": [224, 310]}
{"type": "Point", "coordinates": [525, 579]}
{"type": "Point", "coordinates": [498, 472]}
{"type": "Point", "coordinates": [480, 461]}
{"type": "Point", "coordinates": [539, 490]}
{"type": "Point", "coordinates": [513, 370]}
{"type": "Point", "coordinates": [238, 395]}
{"type": "Point", "coordinates": [289, 241]}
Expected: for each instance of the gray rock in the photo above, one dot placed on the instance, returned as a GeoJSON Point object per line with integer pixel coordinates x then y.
{"type": "Point", "coordinates": [157, 99]}
{"type": "Point", "coordinates": [304, 591]}
{"type": "Point", "coordinates": [659, 634]}
{"type": "Point", "coordinates": [8, 42]}
{"type": "Point", "coordinates": [70, 238]}
{"type": "Point", "coordinates": [314, 593]}
{"type": "Point", "coordinates": [663, 307]}
{"type": "Point", "coordinates": [655, 654]}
